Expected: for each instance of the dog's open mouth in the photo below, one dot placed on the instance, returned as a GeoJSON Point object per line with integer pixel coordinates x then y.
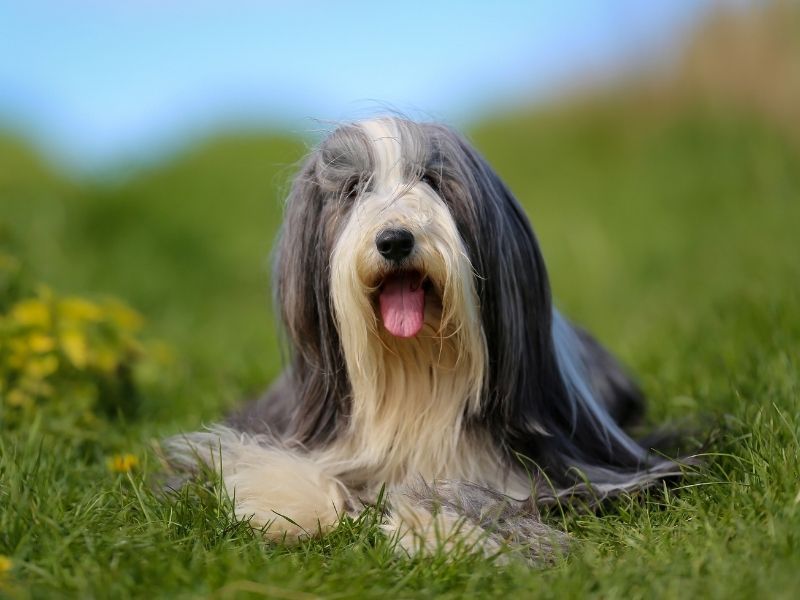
{"type": "Point", "coordinates": [401, 298]}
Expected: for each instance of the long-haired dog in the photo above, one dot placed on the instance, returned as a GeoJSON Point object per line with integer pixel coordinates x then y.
{"type": "Point", "coordinates": [427, 360]}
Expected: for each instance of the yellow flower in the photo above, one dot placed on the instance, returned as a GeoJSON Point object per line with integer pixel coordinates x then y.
{"type": "Point", "coordinates": [73, 344]}
{"type": "Point", "coordinates": [41, 343]}
{"type": "Point", "coordinates": [78, 309]}
{"type": "Point", "coordinates": [41, 367]}
{"type": "Point", "coordinates": [32, 312]}
{"type": "Point", "coordinates": [6, 564]}
{"type": "Point", "coordinates": [122, 463]}
{"type": "Point", "coordinates": [18, 398]}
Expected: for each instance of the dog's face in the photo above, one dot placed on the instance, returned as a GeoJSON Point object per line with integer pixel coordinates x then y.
{"type": "Point", "coordinates": [398, 263]}
{"type": "Point", "coordinates": [386, 196]}
{"type": "Point", "coordinates": [398, 234]}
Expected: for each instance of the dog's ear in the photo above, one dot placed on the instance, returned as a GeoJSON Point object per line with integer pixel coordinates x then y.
{"type": "Point", "coordinates": [514, 292]}
{"type": "Point", "coordinates": [302, 290]}
{"type": "Point", "coordinates": [538, 391]}
{"type": "Point", "coordinates": [297, 259]}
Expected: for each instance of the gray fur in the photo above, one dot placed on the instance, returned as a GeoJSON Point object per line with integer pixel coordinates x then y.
{"type": "Point", "coordinates": [505, 522]}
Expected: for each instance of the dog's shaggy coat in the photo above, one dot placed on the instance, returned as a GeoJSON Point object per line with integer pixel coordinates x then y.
{"type": "Point", "coordinates": [426, 357]}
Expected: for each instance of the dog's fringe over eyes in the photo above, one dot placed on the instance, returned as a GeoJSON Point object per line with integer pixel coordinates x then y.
{"type": "Point", "coordinates": [426, 359]}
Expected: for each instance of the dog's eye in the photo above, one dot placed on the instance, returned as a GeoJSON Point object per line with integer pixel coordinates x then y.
{"type": "Point", "coordinates": [351, 188]}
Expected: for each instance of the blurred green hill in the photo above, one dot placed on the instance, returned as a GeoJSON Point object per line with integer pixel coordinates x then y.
{"type": "Point", "coordinates": [650, 202]}
{"type": "Point", "coordinates": [642, 218]}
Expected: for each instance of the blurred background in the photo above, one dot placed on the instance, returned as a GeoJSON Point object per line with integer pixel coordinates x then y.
{"type": "Point", "coordinates": [145, 149]}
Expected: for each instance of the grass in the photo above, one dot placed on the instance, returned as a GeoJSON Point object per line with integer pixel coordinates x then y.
{"type": "Point", "coordinates": [672, 235]}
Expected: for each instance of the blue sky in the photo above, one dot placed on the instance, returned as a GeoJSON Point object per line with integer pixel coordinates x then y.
{"type": "Point", "coordinates": [93, 82]}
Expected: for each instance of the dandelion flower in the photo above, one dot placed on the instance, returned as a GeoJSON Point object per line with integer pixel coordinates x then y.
{"type": "Point", "coordinates": [41, 343]}
{"type": "Point", "coordinates": [122, 463]}
{"type": "Point", "coordinates": [32, 312]}
{"type": "Point", "coordinates": [41, 367]}
{"type": "Point", "coordinates": [73, 344]}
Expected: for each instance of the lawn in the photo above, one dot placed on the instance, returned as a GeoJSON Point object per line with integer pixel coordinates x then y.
{"type": "Point", "coordinates": [673, 234]}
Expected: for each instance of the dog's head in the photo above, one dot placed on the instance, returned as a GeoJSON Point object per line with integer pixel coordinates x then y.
{"type": "Point", "coordinates": [398, 254]}
{"type": "Point", "coordinates": [396, 232]}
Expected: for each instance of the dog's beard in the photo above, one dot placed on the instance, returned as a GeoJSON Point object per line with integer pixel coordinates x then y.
{"type": "Point", "coordinates": [410, 332]}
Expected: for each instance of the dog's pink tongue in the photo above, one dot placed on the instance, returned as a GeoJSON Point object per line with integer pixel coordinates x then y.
{"type": "Point", "coordinates": [402, 301]}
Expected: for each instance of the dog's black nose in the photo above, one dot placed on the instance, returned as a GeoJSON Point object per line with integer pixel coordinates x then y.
{"type": "Point", "coordinates": [395, 244]}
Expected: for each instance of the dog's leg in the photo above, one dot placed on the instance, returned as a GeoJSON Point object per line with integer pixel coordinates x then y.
{"type": "Point", "coordinates": [451, 515]}
{"type": "Point", "coordinates": [280, 490]}
{"type": "Point", "coordinates": [286, 492]}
